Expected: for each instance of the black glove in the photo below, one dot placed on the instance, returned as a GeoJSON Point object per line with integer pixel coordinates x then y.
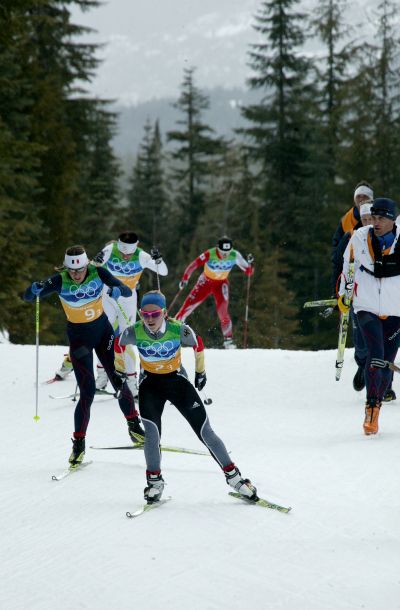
{"type": "Point", "coordinates": [250, 259]}
{"type": "Point", "coordinates": [118, 379]}
{"type": "Point", "coordinates": [156, 255]}
{"type": "Point", "coordinates": [99, 258]}
{"type": "Point", "coordinates": [200, 380]}
{"type": "Point", "coordinates": [183, 284]}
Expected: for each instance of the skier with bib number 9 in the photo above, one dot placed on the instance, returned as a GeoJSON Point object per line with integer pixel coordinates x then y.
{"type": "Point", "coordinates": [79, 286]}
{"type": "Point", "coordinates": [126, 261]}
{"type": "Point", "coordinates": [159, 340]}
{"type": "Point", "coordinates": [218, 263]}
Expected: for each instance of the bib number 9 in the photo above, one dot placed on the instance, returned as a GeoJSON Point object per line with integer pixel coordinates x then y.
{"type": "Point", "coordinates": [90, 314]}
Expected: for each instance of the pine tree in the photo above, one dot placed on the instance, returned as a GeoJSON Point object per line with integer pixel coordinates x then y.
{"type": "Point", "coordinates": [55, 165]}
{"type": "Point", "coordinates": [332, 73]}
{"type": "Point", "coordinates": [19, 173]}
{"type": "Point", "coordinates": [275, 131]}
{"type": "Point", "coordinates": [272, 312]}
{"type": "Point", "coordinates": [370, 133]}
{"type": "Point", "coordinates": [98, 191]}
{"type": "Point", "coordinates": [147, 199]}
{"type": "Point", "coordinates": [197, 149]}
{"type": "Point", "coordinates": [386, 100]}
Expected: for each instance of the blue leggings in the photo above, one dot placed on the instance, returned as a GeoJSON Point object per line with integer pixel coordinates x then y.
{"type": "Point", "coordinates": [382, 338]}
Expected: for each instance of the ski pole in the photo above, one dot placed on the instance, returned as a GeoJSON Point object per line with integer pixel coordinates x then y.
{"type": "Point", "coordinates": [206, 399]}
{"type": "Point", "coordinates": [127, 320]}
{"type": "Point", "coordinates": [75, 393]}
{"type": "Point", "coordinates": [154, 252]}
{"type": "Point", "coordinates": [250, 259]}
{"type": "Point", "coordinates": [174, 299]}
{"type": "Point", "coordinates": [37, 318]}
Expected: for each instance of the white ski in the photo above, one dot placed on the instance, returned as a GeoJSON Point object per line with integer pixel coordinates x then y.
{"type": "Point", "coordinates": [69, 471]}
{"type": "Point", "coordinates": [147, 507]}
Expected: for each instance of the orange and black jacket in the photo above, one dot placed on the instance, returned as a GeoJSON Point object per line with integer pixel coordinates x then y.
{"type": "Point", "coordinates": [350, 222]}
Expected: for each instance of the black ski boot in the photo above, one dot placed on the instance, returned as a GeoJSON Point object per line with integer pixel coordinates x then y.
{"type": "Point", "coordinates": [390, 395]}
{"type": "Point", "coordinates": [359, 379]}
{"type": "Point", "coordinates": [78, 451]}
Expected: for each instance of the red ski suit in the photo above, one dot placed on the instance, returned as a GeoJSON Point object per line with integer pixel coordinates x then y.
{"type": "Point", "coordinates": [213, 280]}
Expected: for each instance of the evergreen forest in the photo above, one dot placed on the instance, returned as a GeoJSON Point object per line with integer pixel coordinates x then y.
{"type": "Point", "coordinates": [322, 124]}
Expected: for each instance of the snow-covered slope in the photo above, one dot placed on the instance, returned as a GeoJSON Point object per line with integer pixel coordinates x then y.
{"type": "Point", "coordinates": [290, 427]}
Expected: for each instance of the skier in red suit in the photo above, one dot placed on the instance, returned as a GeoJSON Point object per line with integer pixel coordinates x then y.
{"type": "Point", "coordinates": [218, 263]}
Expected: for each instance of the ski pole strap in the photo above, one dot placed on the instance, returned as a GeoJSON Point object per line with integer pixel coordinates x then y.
{"type": "Point", "coordinates": [362, 268]}
{"type": "Point", "coordinates": [384, 364]}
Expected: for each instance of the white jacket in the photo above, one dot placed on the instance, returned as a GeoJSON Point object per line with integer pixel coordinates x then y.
{"type": "Point", "coordinates": [380, 296]}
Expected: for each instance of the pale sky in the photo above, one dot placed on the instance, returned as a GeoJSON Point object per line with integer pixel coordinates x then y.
{"type": "Point", "coordinates": [150, 42]}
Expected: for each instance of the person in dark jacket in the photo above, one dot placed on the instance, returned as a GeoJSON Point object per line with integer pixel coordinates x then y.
{"type": "Point", "coordinates": [79, 286]}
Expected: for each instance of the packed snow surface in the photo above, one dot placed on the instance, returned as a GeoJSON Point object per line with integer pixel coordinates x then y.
{"type": "Point", "coordinates": [290, 427]}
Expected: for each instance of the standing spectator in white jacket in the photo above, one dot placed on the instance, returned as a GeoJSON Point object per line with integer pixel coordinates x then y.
{"type": "Point", "coordinates": [376, 299]}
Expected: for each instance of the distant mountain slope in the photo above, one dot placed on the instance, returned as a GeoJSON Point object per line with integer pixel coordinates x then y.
{"type": "Point", "coordinates": [223, 116]}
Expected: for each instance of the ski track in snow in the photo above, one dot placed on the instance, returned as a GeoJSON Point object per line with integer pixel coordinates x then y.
{"type": "Point", "coordinates": [290, 427]}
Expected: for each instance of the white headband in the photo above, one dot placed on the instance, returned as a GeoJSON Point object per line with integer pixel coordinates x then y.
{"type": "Point", "coordinates": [364, 190]}
{"type": "Point", "coordinates": [76, 261]}
{"type": "Point", "coordinates": [126, 248]}
{"type": "Point", "coordinates": [365, 209]}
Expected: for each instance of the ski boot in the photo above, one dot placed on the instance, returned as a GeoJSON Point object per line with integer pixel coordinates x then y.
{"type": "Point", "coordinates": [359, 379]}
{"type": "Point", "coordinates": [65, 370]}
{"type": "Point", "coordinates": [229, 344]}
{"type": "Point", "coordinates": [235, 480]}
{"type": "Point", "coordinates": [390, 395]}
{"type": "Point", "coordinates": [155, 487]}
{"type": "Point", "coordinates": [372, 408]}
{"type": "Point", "coordinates": [102, 378]}
{"type": "Point", "coordinates": [135, 430]}
{"type": "Point", "coordinates": [78, 452]}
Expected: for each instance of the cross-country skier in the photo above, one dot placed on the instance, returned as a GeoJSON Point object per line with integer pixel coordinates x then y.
{"type": "Point", "coordinates": [79, 286]}
{"type": "Point", "coordinates": [376, 297]}
{"type": "Point", "coordinates": [159, 340]}
{"type": "Point", "coordinates": [126, 261]}
{"type": "Point", "coordinates": [363, 193]}
{"type": "Point", "coordinates": [218, 262]}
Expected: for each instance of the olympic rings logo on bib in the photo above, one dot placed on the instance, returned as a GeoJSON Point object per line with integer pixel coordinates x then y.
{"type": "Point", "coordinates": [123, 267]}
{"type": "Point", "coordinates": [221, 265]}
{"type": "Point", "coordinates": [157, 349]}
{"type": "Point", "coordinates": [85, 291]}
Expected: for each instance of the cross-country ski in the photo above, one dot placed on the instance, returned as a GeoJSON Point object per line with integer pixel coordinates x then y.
{"type": "Point", "coordinates": [70, 470]}
{"type": "Point", "coordinates": [145, 508]}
